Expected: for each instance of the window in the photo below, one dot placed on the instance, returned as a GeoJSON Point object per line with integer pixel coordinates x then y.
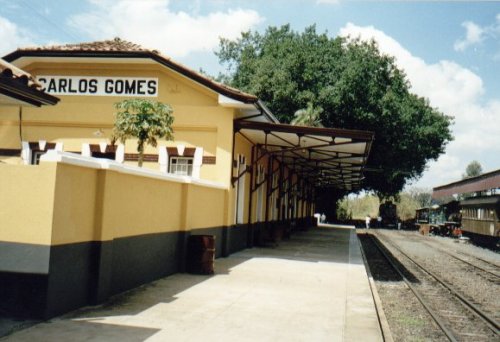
{"type": "Point", "coordinates": [106, 155]}
{"type": "Point", "coordinates": [32, 151]}
{"type": "Point", "coordinates": [103, 151]}
{"type": "Point", "coordinates": [35, 156]}
{"type": "Point", "coordinates": [181, 166]}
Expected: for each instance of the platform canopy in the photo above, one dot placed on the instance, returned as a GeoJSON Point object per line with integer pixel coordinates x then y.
{"type": "Point", "coordinates": [326, 157]}
{"type": "Point", "coordinates": [484, 182]}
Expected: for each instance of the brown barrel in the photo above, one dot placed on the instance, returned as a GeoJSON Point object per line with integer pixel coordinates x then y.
{"type": "Point", "coordinates": [201, 254]}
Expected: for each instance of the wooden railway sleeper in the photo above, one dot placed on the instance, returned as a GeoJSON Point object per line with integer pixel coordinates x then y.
{"type": "Point", "coordinates": [436, 319]}
{"type": "Point", "coordinates": [494, 326]}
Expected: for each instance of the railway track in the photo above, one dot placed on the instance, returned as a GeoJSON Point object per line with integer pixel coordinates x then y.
{"type": "Point", "coordinates": [488, 270]}
{"type": "Point", "coordinates": [458, 318]}
{"type": "Point", "coordinates": [484, 268]}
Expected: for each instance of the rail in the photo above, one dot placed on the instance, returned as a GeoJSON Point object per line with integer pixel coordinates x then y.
{"type": "Point", "coordinates": [494, 326]}
{"type": "Point", "coordinates": [449, 334]}
{"type": "Point", "coordinates": [497, 276]}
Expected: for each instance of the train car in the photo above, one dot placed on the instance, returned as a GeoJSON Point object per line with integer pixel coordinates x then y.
{"type": "Point", "coordinates": [422, 220]}
{"type": "Point", "coordinates": [479, 207]}
{"type": "Point", "coordinates": [421, 217]}
{"type": "Point", "coordinates": [481, 219]}
{"type": "Point", "coordinates": [445, 219]}
{"type": "Point", "coordinates": [430, 219]}
{"type": "Point", "coordinates": [388, 213]}
{"type": "Point", "coordinates": [441, 220]}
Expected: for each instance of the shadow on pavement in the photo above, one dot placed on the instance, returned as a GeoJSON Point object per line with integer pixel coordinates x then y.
{"type": "Point", "coordinates": [315, 245]}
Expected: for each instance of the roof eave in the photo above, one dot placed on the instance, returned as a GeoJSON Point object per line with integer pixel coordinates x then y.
{"type": "Point", "coordinates": [266, 111]}
{"type": "Point", "coordinates": [346, 133]}
{"type": "Point", "coordinates": [12, 88]}
{"type": "Point", "coordinates": [205, 81]}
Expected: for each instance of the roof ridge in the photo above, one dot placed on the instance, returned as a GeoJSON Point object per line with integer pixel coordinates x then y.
{"type": "Point", "coordinates": [115, 44]}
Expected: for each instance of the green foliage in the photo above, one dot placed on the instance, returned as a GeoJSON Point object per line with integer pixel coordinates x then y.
{"type": "Point", "coordinates": [407, 203]}
{"type": "Point", "coordinates": [422, 197]}
{"type": "Point", "coordinates": [474, 169]}
{"type": "Point", "coordinates": [358, 207]}
{"type": "Point", "coordinates": [309, 116]}
{"type": "Point", "coordinates": [356, 87]}
{"type": "Point", "coordinates": [145, 120]}
{"type": "Point", "coordinates": [343, 214]}
{"type": "Point", "coordinates": [407, 206]}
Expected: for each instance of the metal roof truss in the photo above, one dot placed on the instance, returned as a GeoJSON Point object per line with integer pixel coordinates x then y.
{"type": "Point", "coordinates": [324, 157]}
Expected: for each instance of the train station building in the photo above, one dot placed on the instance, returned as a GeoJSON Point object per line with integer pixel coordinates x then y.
{"type": "Point", "coordinates": [81, 222]}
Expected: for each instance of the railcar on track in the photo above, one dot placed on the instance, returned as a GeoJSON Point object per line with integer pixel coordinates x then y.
{"type": "Point", "coordinates": [479, 207]}
{"type": "Point", "coordinates": [422, 216]}
{"type": "Point", "coordinates": [388, 213]}
{"type": "Point", "coordinates": [446, 219]}
{"type": "Point", "coordinates": [441, 220]}
{"type": "Point", "coordinates": [481, 218]}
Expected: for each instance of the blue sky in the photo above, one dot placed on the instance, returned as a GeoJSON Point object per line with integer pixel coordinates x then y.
{"type": "Point", "coordinates": [450, 50]}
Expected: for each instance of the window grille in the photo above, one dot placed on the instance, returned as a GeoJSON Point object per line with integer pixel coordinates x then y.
{"type": "Point", "coordinates": [181, 166]}
{"type": "Point", "coordinates": [35, 157]}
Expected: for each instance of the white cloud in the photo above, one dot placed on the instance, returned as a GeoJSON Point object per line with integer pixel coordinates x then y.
{"type": "Point", "coordinates": [153, 25]}
{"type": "Point", "coordinates": [456, 91]}
{"type": "Point", "coordinates": [474, 35]}
{"type": "Point", "coordinates": [445, 170]}
{"type": "Point", "coordinates": [12, 37]}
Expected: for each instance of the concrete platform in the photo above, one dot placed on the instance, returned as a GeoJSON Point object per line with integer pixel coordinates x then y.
{"type": "Point", "coordinates": [313, 287]}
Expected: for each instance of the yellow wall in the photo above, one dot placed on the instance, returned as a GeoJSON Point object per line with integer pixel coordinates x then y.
{"type": "Point", "coordinates": [57, 203]}
{"type": "Point", "coordinates": [205, 207]}
{"type": "Point", "coordinates": [135, 205]}
{"type": "Point", "coordinates": [199, 119]}
{"type": "Point", "coordinates": [26, 203]}
{"type": "Point", "coordinates": [74, 204]}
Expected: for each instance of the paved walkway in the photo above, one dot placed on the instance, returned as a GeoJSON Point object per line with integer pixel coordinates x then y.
{"type": "Point", "coordinates": [311, 288]}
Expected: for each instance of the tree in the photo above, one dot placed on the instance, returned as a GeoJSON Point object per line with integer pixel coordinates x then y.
{"type": "Point", "coordinates": [474, 169]}
{"type": "Point", "coordinates": [423, 197]}
{"type": "Point", "coordinates": [407, 206]}
{"type": "Point", "coordinates": [145, 120]}
{"type": "Point", "coordinates": [309, 116]}
{"type": "Point", "coordinates": [356, 86]}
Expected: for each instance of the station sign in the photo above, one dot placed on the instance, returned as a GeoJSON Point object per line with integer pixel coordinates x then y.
{"type": "Point", "coordinates": [99, 86]}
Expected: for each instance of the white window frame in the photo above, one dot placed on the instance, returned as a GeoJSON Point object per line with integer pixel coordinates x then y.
{"type": "Point", "coordinates": [32, 157]}
{"type": "Point", "coordinates": [35, 157]}
{"type": "Point", "coordinates": [185, 168]}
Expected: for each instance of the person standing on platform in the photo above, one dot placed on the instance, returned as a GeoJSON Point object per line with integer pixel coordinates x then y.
{"type": "Point", "coordinates": [367, 221]}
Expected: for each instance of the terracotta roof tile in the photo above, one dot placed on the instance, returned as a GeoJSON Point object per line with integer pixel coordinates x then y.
{"type": "Point", "coordinates": [21, 76]}
{"type": "Point", "coordinates": [116, 44]}
{"type": "Point", "coordinates": [19, 85]}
